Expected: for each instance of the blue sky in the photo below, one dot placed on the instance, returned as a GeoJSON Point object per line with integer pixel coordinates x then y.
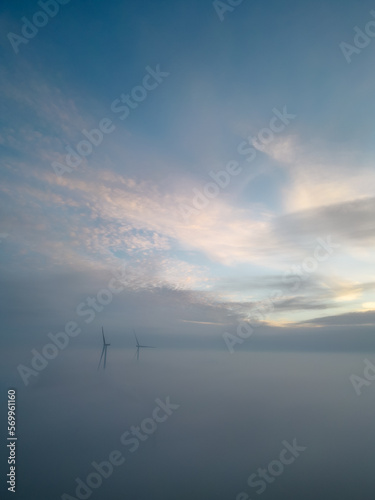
{"type": "Point", "coordinates": [223, 81]}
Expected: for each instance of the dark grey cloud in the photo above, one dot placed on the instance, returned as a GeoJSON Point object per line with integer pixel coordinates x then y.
{"type": "Point", "coordinates": [351, 222]}
{"type": "Point", "coordinates": [312, 338]}
{"type": "Point", "coordinates": [316, 283]}
{"type": "Point", "coordinates": [353, 319]}
{"type": "Point", "coordinates": [301, 303]}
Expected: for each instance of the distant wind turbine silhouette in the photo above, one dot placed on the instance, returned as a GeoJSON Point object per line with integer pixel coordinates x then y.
{"type": "Point", "coordinates": [139, 346]}
{"type": "Point", "coordinates": [104, 352]}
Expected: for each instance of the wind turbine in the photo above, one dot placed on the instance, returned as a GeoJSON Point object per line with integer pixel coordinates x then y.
{"type": "Point", "coordinates": [104, 352]}
{"type": "Point", "coordinates": [139, 346]}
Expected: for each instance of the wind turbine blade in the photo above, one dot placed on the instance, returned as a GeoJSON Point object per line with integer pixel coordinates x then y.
{"type": "Point", "coordinates": [105, 357]}
{"type": "Point", "coordinates": [101, 358]}
{"type": "Point", "coordinates": [103, 336]}
{"type": "Point", "coordinates": [136, 339]}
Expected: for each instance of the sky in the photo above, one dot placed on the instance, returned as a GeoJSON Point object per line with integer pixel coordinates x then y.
{"type": "Point", "coordinates": [227, 159]}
